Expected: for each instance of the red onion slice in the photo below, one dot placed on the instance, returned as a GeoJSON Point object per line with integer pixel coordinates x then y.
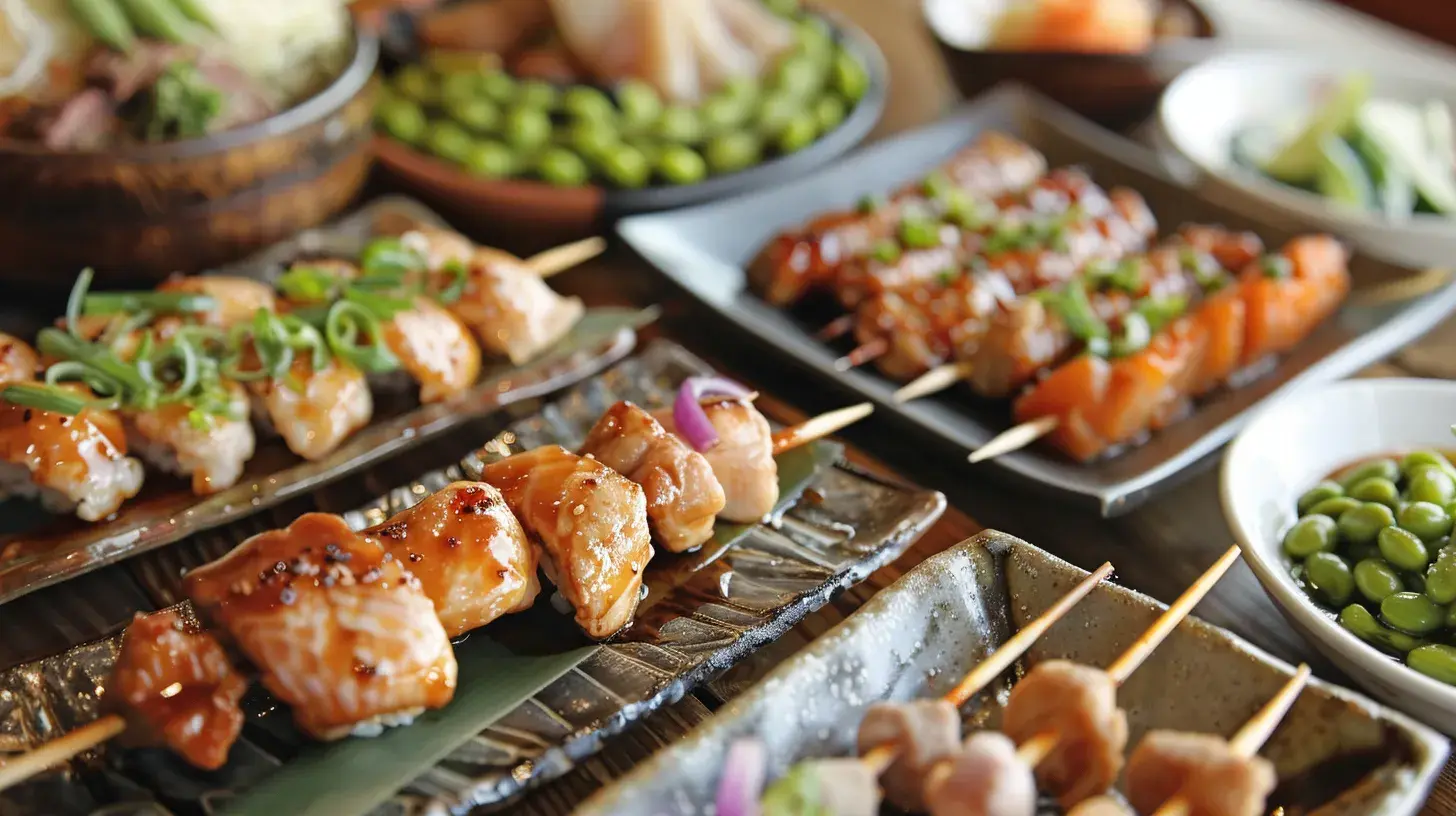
{"type": "Point", "coordinates": [692, 421]}
{"type": "Point", "coordinates": [742, 780]}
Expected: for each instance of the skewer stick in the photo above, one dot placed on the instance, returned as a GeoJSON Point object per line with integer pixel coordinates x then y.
{"type": "Point", "coordinates": [820, 426]}
{"type": "Point", "coordinates": [836, 328]}
{"type": "Point", "coordinates": [1171, 617]}
{"type": "Point", "coordinates": [23, 767]}
{"type": "Point", "coordinates": [564, 257]}
{"type": "Point", "coordinates": [880, 758]}
{"type": "Point", "coordinates": [936, 379]}
{"type": "Point", "coordinates": [1014, 439]}
{"type": "Point", "coordinates": [1421, 283]}
{"type": "Point", "coordinates": [1251, 737]}
{"type": "Point", "coordinates": [863, 354]}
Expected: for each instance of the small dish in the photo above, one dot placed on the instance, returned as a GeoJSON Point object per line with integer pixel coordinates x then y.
{"type": "Point", "coordinates": [1286, 449]}
{"type": "Point", "coordinates": [1209, 106]}
{"type": "Point", "coordinates": [1116, 90]}
{"type": "Point", "coordinates": [958, 606]}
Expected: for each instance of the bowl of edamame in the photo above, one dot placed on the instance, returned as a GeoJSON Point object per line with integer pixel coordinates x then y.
{"type": "Point", "coordinates": [522, 152]}
{"type": "Point", "coordinates": [1343, 498]}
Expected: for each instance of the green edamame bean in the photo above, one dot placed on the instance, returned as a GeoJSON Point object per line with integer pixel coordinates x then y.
{"type": "Point", "coordinates": [730, 152]}
{"type": "Point", "coordinates": [626, 166]}
{"type": "Point", "coordinates": [157, 18]}
{"type": "Point", "coordinates": [106, 22]}
{"type": "Point", "coordinates": [458, 86]}
{"type": "Point", "coordinates": [722, 113]}
{"type": "Point", "coordinates": [1434, 660]}
{"type": "Point", "coordinates": [562, 168]}
{"type": "Point", "coordinates": [649, 149]}
{"type": "Point", "coordinates": [1415, 460]}
{"type": "Point", "coordinates": [1441, 577]}
{"type": "Point", "coordinates": [1383, 468]}
{"type": "Point", "coordinates": [527, 128]}
{"type": "Point", "coordinates": [1431, 484]}
{"type": "Point", "coordinates": [681, 165]}
{"type": "Point", "coordinates": [783, 8]}
{"type": "Point", "coordinates": [480, 115]}
{"type": "Point", "coordinates": [498, 87]}
{"type": "Point", "coordinates": [1376, 489]}
{"type": "Point", "coordinates": [798, 75]}
{"type": "Point", "coordinates": [798, 134]}
{"type": "Point", "coordinates": [588, 104]}
{"type": "Point", "coordinates": [1402, 549]}
{"type": "Point", "coordinates": [1310, 535]}
{"type": "Point", "coordinates": [1358, 621]}
{"type": "Point", "coordinates": [851, 79]}
{"type": "Point", "coordinates": [1360, 525]}
{"type": "Point", "coordinates": [743, 88]}
{"type": "Point", "coordinates": [1376, 580]}
{"type": "Point", "coordinates": [402, 119]}
{"type": "Point", "coordinates": [679, 124]}
{"type": "Point", "coordinates": [447, 140]}
{"type": "Point", "coordinates": [490, 159]}
{"type": "Point", "coordinates": [777, 109]}
{"type": "Point", "coordinates": [533, 93]}
{"type": "Point", "coordinates": [640, 104]}
{"type": "Point", "coordinates": [1320, 492]}
{"type": "Point", "coordinates": [1330, 575]}
{"type": "Point", "coordinates": [1412, 613]}
{"type": "Point", "coordinates": [829, 112]}
{"type": "Point", "coordinates": [1428, 521]}
{"type": "Point", "coordinates": [592, 139]}
{"type": "Point", "coordinates": [1335, 507]}
{"type": "Point", "coordinates": [415, 82]}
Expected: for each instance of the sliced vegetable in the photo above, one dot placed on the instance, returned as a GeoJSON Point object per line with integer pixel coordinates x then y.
{"type": "Point", "coordinates": [1399, 130]}
{"type": "Point", "coordinates": [1340, 176]}
{"type": "Point", "coordinates": [1394, 192]}
{"type": "Point", "coordinates": [688, 414]}
{"type": "Point", "coordinates": [1296, 161]}
{"type": "Point", "coordinates": [742, 779]}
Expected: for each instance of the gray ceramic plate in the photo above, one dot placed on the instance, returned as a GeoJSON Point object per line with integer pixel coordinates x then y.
{"type": "Point", "coordinates": [1335, 750]}
{"type": "Point", "coordinates": [705, 611]}
{"type": "Point", "coordinates": [705, 249]}
{"type": "Point", "coordinates": [38, 550]}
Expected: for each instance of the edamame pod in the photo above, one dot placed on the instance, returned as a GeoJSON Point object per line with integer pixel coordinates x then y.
{"type": "Point", "coordinates": [106, 22]}
{"type": "Point", "coordinates": [157, 18]}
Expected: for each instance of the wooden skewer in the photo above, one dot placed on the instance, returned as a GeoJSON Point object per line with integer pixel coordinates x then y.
{"type": "Point", "coordinates": [1252, 736]}
{"type": "Point", "coordinates": [564, 257]}
{"type": "Point", "coordinates": [820, 426]}
{"type": "Point", "coordinates": [23, 767]}
{"type": "Point", "coordinates": [881, 758]}
{"type": "Point", "coordinates": [1421, 283]}
{"type": "Point", "coordinates": [836, 328]}
{"type": "Point", "coordinates": [863, 354]}
{"type": "Point", "coordinates": [1014, 439]}
{"type": "Point", "coordinates": [936, 379]}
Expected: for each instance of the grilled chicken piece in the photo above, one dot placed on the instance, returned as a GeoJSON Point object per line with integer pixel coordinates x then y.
{"type": "Point", "coordinates": [314, 411]}
{"type": "Point", "coordinates": [212, 454]}
{"type": "Point", "coordinates": [592, 523]}
{"type": "Point", "coordinates": [468, 552]}
{"type": "Point", "coordinates": [923, 732]}
{"type": "Point", "coordinates": [70, 463]}
{"type": "Point", "coordinates": [511, 310]}
{"type": "Point", "coordinates": [683, 495]}
{"type": "Point", "coordinates": [742, 460]}
{"type": "Point", "coordinates": [1101, 806]}
{"type": "Point", "coordinates": [337, 626]}
{"type": "Point", "coordinates": [174, 686]}
{"type": "Point", "coordinates": [983, 778]}
{"type": "Point", "coordinates": [18, 361]}
{"type": "Point", "coordinates": [1201, 768]}
{"type": "Point", "coordinates": [1079, 704]}
{"type": "Point", "coordinates": [238, 299]}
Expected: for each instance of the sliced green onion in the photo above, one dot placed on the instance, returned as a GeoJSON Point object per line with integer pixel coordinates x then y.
{"type": "Point", "coordinates": [45, 398]}
{"type": "Point", "coordinates": [1125, 275]}
{"type": "Point", "coordinates": [937, 186]}
{"type": "Point", "coordinates": [76, 299]}
{"type": "Point", "coordinates": [64, 346]}
{"type": "Point", "coordinates": [384, 256]}
{"type": "Point", "coordinates": [1134, 337]}
{"type": "Point", "coordinates": [307, 283]}
{"type": "Point", "coordinates": [1006, 237]}
{"type": "Point", "coordinates": [119, 331]}
{"type": "Point", "coordinates": [383, 307]}
{"type": "Point", "coordinates": [1159, 312]}
{"type": "Point", "coordinates": [1276, 266]}
{"type": "Point", "coordinates": [459, 277]}
{"type": "Point", "coordinates": [886, 250]}
{"type": "Point", "coordinates": [919, 233]}
{"type": "Point", "coordinates": [1075, 309]}
{"type": "Point", "coordinates": [72, 371]}
{"type": "Point", "coordinates": [965, 212]}
{"type": "Point", "coordinates": [948, 276]}
{"type": "Point", "coordinates": [869, 204]}
{"type": "Point", "coordinates": [1099, 347]}
{"type": "Point", "coordinates": [347, 320]}
{"type": "Point", "coordinates": [110, 303]}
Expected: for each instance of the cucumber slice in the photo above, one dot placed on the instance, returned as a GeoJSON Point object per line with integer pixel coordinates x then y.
{"type": "Point", "coordinates": [1297, 160]}
{"type": "Point", "coordinates": [1439, 134]}
{"type": "Point", "coordinates": [1394, 192]}
{"type": "Point", "coordinates": [1399, 131]}
{"type": "Point", "coordinates": [1341, 177]}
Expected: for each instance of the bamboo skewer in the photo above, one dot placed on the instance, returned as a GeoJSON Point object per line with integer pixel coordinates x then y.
{"type": "Point", "coordinates": [936, 379]}
{"type": "Point", "coordinates": [863, 354]}
{"type": "Point", "coordinates": [1014, 439]}
{"type": "Point", "coordinates": [564, 257]}
{"type": "Point", "coordinates": [820, 426]}
{"type": "Point", "coordinates": [1254, 733]}
{"type": "Point", "coordinates": [23, 767]}
{"type": "Point", "coordinates": [836, 328]}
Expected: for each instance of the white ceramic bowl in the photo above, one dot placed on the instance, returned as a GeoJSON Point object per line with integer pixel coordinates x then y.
{"type": "Point", "coordinates": [1208, 105]}
{"type": "Point", "coordinates": [1286, 449]}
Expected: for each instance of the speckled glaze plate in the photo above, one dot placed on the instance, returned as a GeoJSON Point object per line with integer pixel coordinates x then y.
{"type": "Point", "coordinates": [1336, 753]}
{"type": "Point", "coordinates": [704, 612]}
{"type": "Point", "coordinates": [705, 249]}
{"type": "Point", "coordinates": [37, 550]}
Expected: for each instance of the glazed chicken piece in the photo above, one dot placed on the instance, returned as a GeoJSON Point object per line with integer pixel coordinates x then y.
{"type": "Point", "coordinates": [174, 686]}
{"type": "Point", "coordinates": [1101, 806]}
{"type": "Point", "coordinates": [683, 495]}
{"type": "Point", "coordinates": [314, 411]}
{"type": "Point", "coordinates": [69, 462]}
{"type": "Point", "coordinates": [238, 299]}
{"type": "Point", "coordinates": [336, 625]}
{"type": "Point", "coordinates": [983, 778]}
{"type": "Point", "coordinates": [469, 553]}
{"type": "Point", "coordinates": [212, 454]}
{"type": "Point", "coordinates": [1201, 768]}
{"type": "Point", "coordinates": [1079, 704]}
{"type": "Point", "coordinates": [742, 460]}
{"type": "Point", "coordinates": [18, 361]}
{"type": "Point", "coordinates": [923, 733]}
{"type": "Point", "coordinates": [592, 524]}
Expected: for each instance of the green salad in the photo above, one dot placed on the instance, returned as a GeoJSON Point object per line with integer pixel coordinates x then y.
{"type": "Point", "coordinates": [1370, 153]}
{"type": "Point", "coordinates": [494, 125]}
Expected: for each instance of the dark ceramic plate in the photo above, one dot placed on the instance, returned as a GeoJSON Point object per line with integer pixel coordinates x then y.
{"type": "Point", "coordinates": [37, 550]}
{"type": "Point", "coordinates": [1335, 750]}
{"type": "Point", "coordinates": [705, 249]}
{"type": "Point", "coordinates": [704, 612]}
{"type": "Point", "coordinates": [563, 212]}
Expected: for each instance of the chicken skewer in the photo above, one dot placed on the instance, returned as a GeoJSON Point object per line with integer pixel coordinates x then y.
{"type": "Point", "coordinates": [1091, 404]}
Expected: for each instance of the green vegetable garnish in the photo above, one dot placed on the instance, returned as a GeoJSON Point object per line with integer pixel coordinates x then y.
{"type": "Point", "coordinates": [45, 398]}
{"type": "Point", "coordinates": [1134, 337]}
{"type": "Point", "coordinates": [1276, 266]}
{"type": "Point", "coordinates": [390, 256]}
{"type": "Point", "coordinates": [110, 303]}
{"type": "Point", "coordinates": [183, 104]}
{"type": "Point", "coordinates": [347, 321]}
{"type": "Point", "coordinates": [919, 233]}
{"type": "Point", "coordinates": [886, 250]}
{"type": "Point", "coordinates": [869, 203]}
{"type": "Point", "coordinates": [937, 186]}
{"type": "Point", "coordinates": [1073, 307]}
{"type": "Point", "coordinates": [1159, 312]}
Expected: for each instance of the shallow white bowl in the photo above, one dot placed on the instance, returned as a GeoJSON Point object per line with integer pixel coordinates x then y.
{"type": "Point", "coordinates": [1205, 108]}
{"type": "Point", "coordinates": [1285, 450]}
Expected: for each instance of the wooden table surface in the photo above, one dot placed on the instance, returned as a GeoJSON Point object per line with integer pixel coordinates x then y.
{"type": "Point", "coordinates": [1157, 549]}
